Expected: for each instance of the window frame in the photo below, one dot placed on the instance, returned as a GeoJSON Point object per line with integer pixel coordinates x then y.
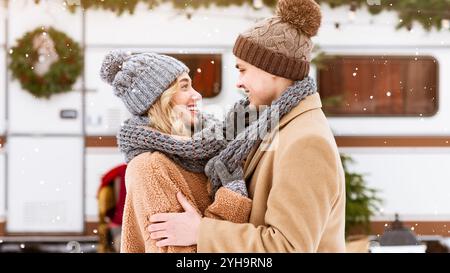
{"type": "Point", "coordinates": [220, 58]}
{"type": "Point", "coordinates": [387, 115]}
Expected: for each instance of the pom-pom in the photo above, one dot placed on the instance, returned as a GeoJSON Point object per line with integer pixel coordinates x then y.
{"type": "Point", "coordinates": [304, 15]}
{"type": "Point", "coordinates": [112, 64]}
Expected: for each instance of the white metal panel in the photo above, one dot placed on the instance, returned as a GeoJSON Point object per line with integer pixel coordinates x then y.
{"type": "Point", "coordinates": [412, 181]}
{"type": "Point", "coordinates": [398, 249]}
{"type": "Point", "coordinates": [2, 93]}
{"type": "Point", "coordinates": [2, 186]}
{"type": "Point", "coordinates": [98, 162]}
{"type": "Point", "coordinates": [165, 26]}
{"type": "Point", "coordinates": [365, 29]}
{"type": "Point", "coordinates": [26, 113]}
{"type": "Point", "coordinates": [45, 184]}
{"type": "Point", "coordinates": [25, 15]}
{"type": "Point", "coordinates": [3, 13]}
{"type": "Point", "coordinates": [104, 111]}
{"type": "Point", "coordinates": [29, 115]}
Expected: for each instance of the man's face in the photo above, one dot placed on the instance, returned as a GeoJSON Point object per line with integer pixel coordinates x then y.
{"type": "Point", "coordinates": [260, 86]}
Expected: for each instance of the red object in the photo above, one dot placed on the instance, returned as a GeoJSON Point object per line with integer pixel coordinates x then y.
{"type": "Point", "coordinates": [107, 179]}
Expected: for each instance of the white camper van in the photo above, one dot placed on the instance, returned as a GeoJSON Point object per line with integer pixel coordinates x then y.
{"type": "Point", "coordinates": [51, 164]}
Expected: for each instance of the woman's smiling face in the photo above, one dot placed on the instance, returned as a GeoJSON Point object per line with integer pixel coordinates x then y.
{"type": "Point", "coordinates": [185, 100]}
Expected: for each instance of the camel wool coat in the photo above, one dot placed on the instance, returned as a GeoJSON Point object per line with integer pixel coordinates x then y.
{"type": "Point", "coordinates": [297, 186]}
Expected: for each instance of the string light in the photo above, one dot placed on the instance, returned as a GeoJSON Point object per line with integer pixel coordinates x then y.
{"type": "Point", "coordinates": [446, 24]}
{"type": "Point", "coordinates": [258, 4]}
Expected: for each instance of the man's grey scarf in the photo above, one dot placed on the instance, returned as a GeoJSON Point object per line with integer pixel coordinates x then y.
{"type": "Point", "coordinates": [218, 149]}
{"type": "Point", "coordinates": [227, 166]}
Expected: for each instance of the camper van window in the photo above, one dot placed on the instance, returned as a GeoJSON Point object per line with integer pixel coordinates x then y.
{"type": "Point", "coordinates": [205, 72]}
{"type": "Point", "coordinates": [378, 85]}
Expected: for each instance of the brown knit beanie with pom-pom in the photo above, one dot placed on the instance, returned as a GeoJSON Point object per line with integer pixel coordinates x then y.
{"type": "Point", "coordinates": [281, 45]}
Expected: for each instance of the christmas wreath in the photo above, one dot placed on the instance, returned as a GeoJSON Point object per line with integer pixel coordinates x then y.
{"type": "Point", "coordinates": [46, 62]}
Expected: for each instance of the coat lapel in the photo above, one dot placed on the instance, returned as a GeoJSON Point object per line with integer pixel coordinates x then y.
{"type": "Point", "coordinates": [309, 103]}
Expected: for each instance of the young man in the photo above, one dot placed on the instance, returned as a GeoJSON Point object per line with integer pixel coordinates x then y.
{"type": "Point", "coordinates": [298, 185]}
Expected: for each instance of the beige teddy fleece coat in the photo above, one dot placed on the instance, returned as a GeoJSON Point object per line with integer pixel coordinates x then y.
{"type": "Point", "coordinates": [152, 182]}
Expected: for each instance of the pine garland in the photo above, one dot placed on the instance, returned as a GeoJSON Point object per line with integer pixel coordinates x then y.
{"type": "Point", "coordinates": [61, 75]}
{"type": "Point", "coordinates": [428, 13]}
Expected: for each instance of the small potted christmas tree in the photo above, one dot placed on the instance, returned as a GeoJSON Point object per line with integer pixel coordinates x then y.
{"type": "Point", "coordinates": [361, 204]}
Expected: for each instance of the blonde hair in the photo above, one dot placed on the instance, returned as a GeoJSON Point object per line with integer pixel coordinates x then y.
{"type": "Point", "coordinates": [163, 117]}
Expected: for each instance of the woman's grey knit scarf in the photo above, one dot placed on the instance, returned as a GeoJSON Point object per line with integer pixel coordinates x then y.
{"type": "Point", "coordinates": [136, 137]}
{"type": "Point", "coordinates": [218, 149]}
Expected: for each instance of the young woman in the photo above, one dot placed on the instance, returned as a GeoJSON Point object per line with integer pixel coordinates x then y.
{"type": "Point", "coordinates": [167, 144]}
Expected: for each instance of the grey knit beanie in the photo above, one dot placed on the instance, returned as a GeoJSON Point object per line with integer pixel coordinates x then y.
{"type": "Point", "coordinates": [140, 79]}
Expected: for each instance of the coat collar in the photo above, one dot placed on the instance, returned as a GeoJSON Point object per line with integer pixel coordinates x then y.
{"type": "Point", "coordinates": [309, 103]}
